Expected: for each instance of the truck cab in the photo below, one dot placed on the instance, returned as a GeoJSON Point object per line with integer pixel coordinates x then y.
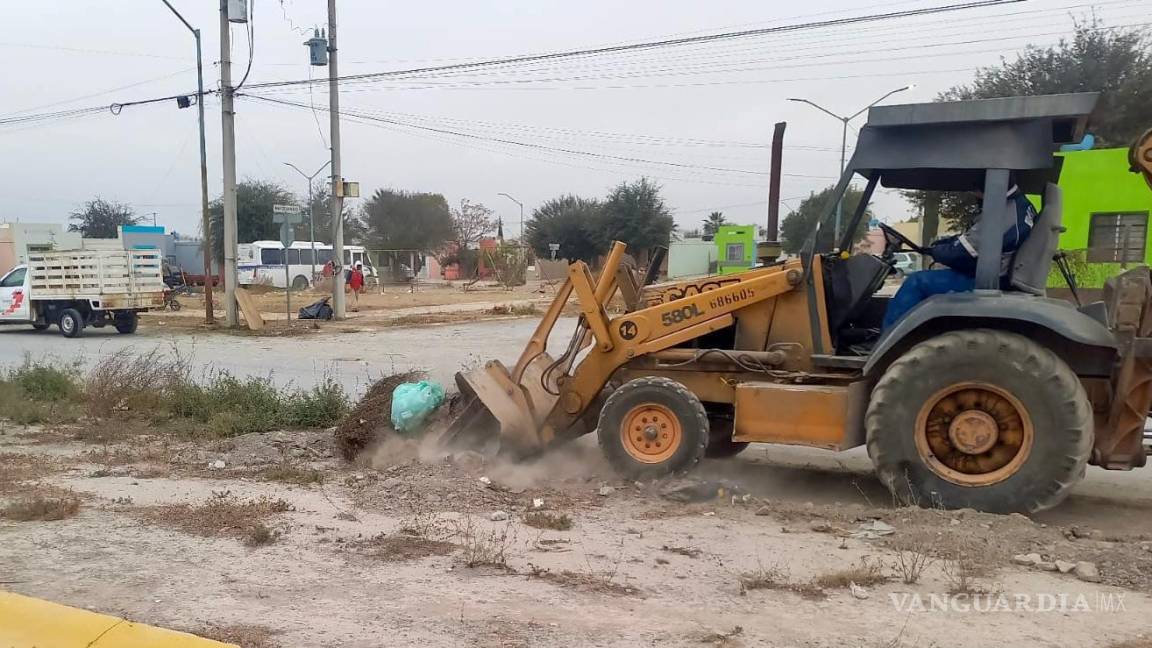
{"type": "Point", "coordinates": [14, 302]}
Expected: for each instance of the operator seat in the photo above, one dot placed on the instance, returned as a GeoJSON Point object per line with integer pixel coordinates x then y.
{"type": "Point", "coordinates": [1033, 259]}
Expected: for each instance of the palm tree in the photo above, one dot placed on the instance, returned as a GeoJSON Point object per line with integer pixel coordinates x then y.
{"type": "Point", "coordinates": [713, 223]}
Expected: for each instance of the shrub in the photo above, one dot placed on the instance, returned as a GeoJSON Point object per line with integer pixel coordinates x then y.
{"type": "Point", "coordinates": [322, 406]}
{"type": "Point", "coordinates": [42, 383]}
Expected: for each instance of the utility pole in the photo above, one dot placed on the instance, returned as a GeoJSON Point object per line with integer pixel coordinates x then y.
{"type": "Point", "coordinates": [228, 119]}
{"type": "Point", "coordinates": [337, 180]}
{"type": "Point", "coordinates": [844, 142]}
{"type": "Point", "coordinates": [205, 224]}
{"type": "Point", "coordinates": [311, 209]}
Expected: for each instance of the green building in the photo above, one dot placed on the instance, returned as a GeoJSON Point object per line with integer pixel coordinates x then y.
{"type": "Point", "coordinates": [735, 248]}
{"type": "Point", "coordinates": [1105, 216]}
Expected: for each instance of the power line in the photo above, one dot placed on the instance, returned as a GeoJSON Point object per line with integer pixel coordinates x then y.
{"type": "Point", "coordinates": [499, 140]}
{"type": "Point", "coordinates": [478, 144]}
{"type": "Point", "coordinates": [672, 42]}
{"type": "Point", "coordinates": [102, 92]}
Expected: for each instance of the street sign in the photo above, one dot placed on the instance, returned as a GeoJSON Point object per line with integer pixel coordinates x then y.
{"type": "Point", "coordinates": [287, 236]}
{"type": "Point", "coordinates": [554, 248]}
{"type": "Point", "coordinates": [287, 216]}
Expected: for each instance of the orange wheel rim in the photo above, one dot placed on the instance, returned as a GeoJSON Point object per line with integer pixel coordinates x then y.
{"type": "Point", "coordinates": [974, 434]}
{"type": "Point", "coordinates": [651, 433]}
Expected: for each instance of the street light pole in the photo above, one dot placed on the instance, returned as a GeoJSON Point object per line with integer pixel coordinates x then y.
{"type": "Point", "coordinates": [206, 225]}
{"type": "Point", "coordinates": [844, 140]}
{"type": "Point", "coordinates": [311, 209]}
{"type": "Point", "coordinates": [521, 214]}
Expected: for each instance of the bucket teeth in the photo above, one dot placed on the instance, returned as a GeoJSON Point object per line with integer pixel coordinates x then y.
{"type": "Point", "coordinates": [499, 409]}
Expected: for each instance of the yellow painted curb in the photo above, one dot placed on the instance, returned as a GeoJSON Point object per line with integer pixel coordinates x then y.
{"type": "Point", "coordinates": [27, 622]}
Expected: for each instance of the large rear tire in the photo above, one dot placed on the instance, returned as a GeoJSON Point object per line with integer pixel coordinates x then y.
{"type": "Point", "coordinates": [653, 427]}
{"type": "Point", "coordinates": [126, 323]}
{"type": "Point", "coordinates": [983, 419]}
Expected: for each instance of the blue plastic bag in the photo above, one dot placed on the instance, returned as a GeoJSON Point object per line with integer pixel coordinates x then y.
{"type": "Point", "coordinates": [413, 402]}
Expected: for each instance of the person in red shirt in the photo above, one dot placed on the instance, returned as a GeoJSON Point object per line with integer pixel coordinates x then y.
{"type": "Point", "coordinates": [356, 284]}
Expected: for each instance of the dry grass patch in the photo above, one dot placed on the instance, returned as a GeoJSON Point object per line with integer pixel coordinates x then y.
{"type": "Point", "coordinates": [40, 508]}
{"type": "Point", "coordinates": [777, 578]}
{"type": "Point", "coordinates": [17, 468]}
{"type": "Point", "coordinates": [400, 547]}
{"type": "Point", "coordinates": [587, 581]}
{"type": "Point", "coordinates": [548, 520]}
{"type": "Point", "coordinates": [223, 514]}
{"type": "Point", "coordinates": [290, 473]}
{"type": "Point", "coordinates": [1139, 642]}
{"type": "Point", "coordinates": [243, 634]}
{"type": "Point", "coordinates": [868, 572]}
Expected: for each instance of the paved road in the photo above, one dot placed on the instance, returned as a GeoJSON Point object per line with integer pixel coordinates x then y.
{"type": "Point", "coordinates": [355, 359]}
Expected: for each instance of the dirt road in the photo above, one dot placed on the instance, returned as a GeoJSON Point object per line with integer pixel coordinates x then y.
{"type": "Point", "coordinates": [415, 549]}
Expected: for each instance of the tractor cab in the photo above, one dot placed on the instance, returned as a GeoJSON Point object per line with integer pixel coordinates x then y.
{"type": "Point", "coordinates": [951, 147]}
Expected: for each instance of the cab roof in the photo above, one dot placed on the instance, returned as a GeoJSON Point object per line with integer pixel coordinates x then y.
{"type": "Point", "coordinates": [947, 145]}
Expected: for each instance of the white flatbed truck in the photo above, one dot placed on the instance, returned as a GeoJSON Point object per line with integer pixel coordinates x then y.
{"type": "Point", "coordinates": [75, 289]}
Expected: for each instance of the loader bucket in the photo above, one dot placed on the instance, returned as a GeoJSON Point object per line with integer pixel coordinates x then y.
{"type": "Point", "coordinates": [502, 414]}
{"type": "Point", "coordinates": [509, 410]}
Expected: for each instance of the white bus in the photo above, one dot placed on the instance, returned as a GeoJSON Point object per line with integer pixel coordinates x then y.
{"type": "Point", "coordinates": [262, 263]}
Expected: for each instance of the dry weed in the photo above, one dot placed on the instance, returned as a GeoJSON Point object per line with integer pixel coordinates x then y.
{"type": "Point", "coordinates": [244, 635]}
{"type": "Point", "coordinates": [259, 535]}
{"type": "Point", "coordinates": [548, 520]}
{"type": "Point", "coordinates": [601, 583]}
{"type": "Point", "coordinates": [290, 473]}
{"type": "Point", "coordinates": [223, 514]}
{"type": "Point", "coordinates": [777, 578]}
{"type": "Point", "coordinates": [913, 556]}
{"type": "Point", "coordinates": [484, 548]}
{"type": "Point", "coordinates": [39, 508]}
{"type": "Point", "coordinates": [868, 572]}
{"type": "Point", "coordinates": [399, 547]}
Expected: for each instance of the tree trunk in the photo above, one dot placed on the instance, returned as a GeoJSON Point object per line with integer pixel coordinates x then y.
{"type": "Point", "coordinates": [930, 219]}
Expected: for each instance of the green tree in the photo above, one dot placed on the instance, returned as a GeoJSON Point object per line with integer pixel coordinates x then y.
{"type": "Point", "coordinates": [100, 218]}
{"type": "Point", "coordinates": [1114, 61]}
{"type": "Point", "coordinates": [254, 201]}
{"type": "Point", "coordinates": [712, 224]}
{"type": "Point", "coordinates": [354, 231]}
{"type": "Point", "coordinates": [635, 214]}
{"type": "Point", "coordinates": [799, 224]}
{"type": "Point", "coordinates": [575, 223]}
{"type": "Point", "coordinates": [402, 220]}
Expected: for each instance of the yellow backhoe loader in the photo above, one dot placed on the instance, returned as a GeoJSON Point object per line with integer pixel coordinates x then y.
{"type": "Point", "coordinates": [994, 399]}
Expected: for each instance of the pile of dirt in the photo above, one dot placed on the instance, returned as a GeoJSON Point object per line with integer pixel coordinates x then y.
{"type": "Point", "coordinates": [371, 419]}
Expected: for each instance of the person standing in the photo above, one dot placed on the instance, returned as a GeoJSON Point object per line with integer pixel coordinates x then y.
{"type": "Point", "coordinates": [356, 284]}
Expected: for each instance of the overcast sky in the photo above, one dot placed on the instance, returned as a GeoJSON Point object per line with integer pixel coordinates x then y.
{"type": "Point", "coordinates": [697, 118]}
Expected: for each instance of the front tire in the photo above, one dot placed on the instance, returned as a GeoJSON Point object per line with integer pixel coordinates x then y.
{"type": "Point", "coordinates": [983, 419]}
{"type": "Point", "coordinates": [300, 283]}
{"type": "Point", "coordinates": [653, 427]}
{"type": "Point", "coordinates": [71, 323]}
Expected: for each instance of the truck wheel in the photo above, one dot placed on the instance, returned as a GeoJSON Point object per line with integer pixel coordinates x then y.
{"type": "Point", "coordinates": [126, 323]}
{"type": "Point", "coordinates": [720, 443]}
{"type": "Point", "coordinates": [71, 322]}
{"type": "Point", "coordinates": [651, 427]}
{"type": "Point", "coordinates": [300, 283]}
{"type": "Point", "coordinates": [982, 419]}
